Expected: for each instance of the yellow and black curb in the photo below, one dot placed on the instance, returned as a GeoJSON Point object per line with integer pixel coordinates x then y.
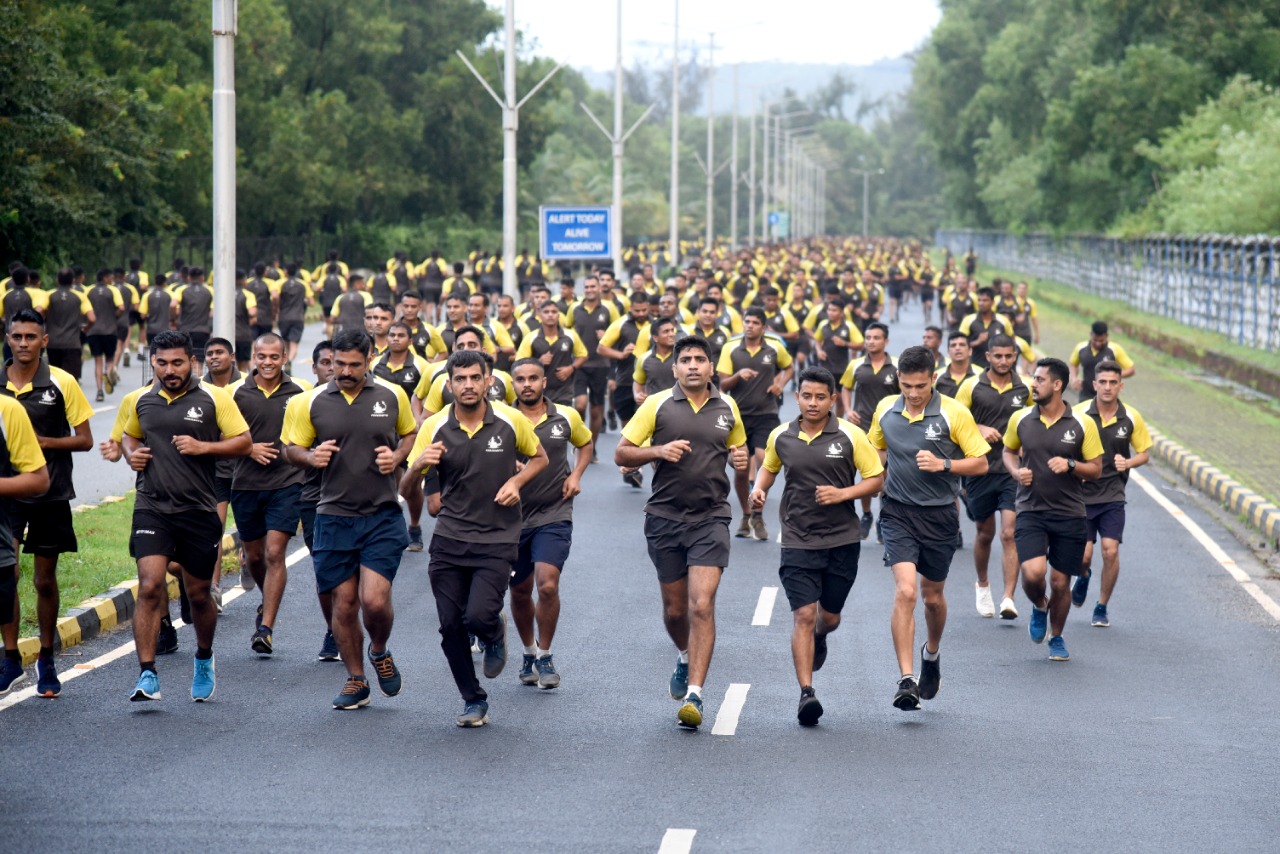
{"type": "Point", "coordinates": [1213, 482]}
{"type": "Point", "coordinates": [102, 613]}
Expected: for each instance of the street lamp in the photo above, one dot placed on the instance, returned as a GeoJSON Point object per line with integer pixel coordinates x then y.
{"type": "Point", "coordinates": [866, 177]}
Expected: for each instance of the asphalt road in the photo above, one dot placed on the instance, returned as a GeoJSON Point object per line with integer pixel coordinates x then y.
{"type": "Point", "coordinates": [1157, 735]}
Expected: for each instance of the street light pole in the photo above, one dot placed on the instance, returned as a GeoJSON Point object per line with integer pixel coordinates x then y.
{"type": "Point", "coordinates": [866, 195]}
{"type": "Point", "coordinates": [751, 176]}
{"type": "Point", "coordinates": [733, 169]}
{"type": "Point", "coordinates": [711, 135]}
{"type": "Point", "coordinates": [674, 232]}
{"type": "Point", "coordinates": [225, 25]}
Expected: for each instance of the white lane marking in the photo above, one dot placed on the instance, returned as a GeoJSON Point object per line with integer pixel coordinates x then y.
{"type": "Point", "coordinates": [764, 606]}
{"type": "Point", "coordinates": [727, 715]}
{"type": "Point", "coordinates": [677, 840]}
{"type": "Point", "coordinates": [98, 409]}
{"type": "Point", "coordinates": [78, 670]}
{"type": "Point", "coordinates": [1215, 551]}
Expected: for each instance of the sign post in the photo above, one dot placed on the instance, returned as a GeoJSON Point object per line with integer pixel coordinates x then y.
{"type": "Point", "coordinates": [576, 233]}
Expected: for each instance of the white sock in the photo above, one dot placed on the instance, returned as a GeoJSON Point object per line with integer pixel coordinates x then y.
{"type": "Point", "coordinates": [543, 653]}
{"type": "Point", "coordinates": [683, 658]}
{"type": "Point", "coordinates": [694, 689]}
{"type": "Point", "coordinates": [530, 650]}
{"type": "Point", "coordinates": [929, 656]}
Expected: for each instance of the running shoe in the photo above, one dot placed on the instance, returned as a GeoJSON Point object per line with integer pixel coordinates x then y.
{"type": "Point", "coordinates": [810, 709]}
{"type": "Point", "coordinates": [744, 529]}
{"type": "Point", "coordinates": [930, 675]}
{"type": "Point", "coordinates": [758, 530]}
{"type": "Point", "coordinates": [986, 608]}
{"type": "Point", "coordinates": [384, 666]}
{"type": "Point", "coordinates": [47, 682]}
{"type": "Point", "coordinates": [495, 654]}
{"type": "Point", "coordinates": [474, 714]}
{"type": "Point", "coordinates": [1039, 624]}
{"type": "Point", "coordinates": [415, 540]}
{"type": "Point", "coordinates": [115, 377]}
{"type": "Point", "coordinates": [329, 649]}
{"type": "Point", "coordinates": [528, 671]}
{"type": "Point", "coordinates": [547, 676]}
{"type": "Point", "coordinates": [257, 621]}
{"type": "Point", "coordinates": [1058, 649]}
{"type": "Point", "coordinates": [215, 593]}
{"type": "Point", "coordinates": [148, 687]}
{"type": "Point", "coordinates": [1100, 616]}
{"type": "Point", "coordinates": [613, 422]}
{"type": "Point", "coordinates": [167, 637]}
{"type": "Point", "coordinates": [261, 643]}
{"type": "Point", "coordinates": [126, 358]}
{"type": "Point", "coordinates": [819, 651]}
{"type": "Point", "coordinates": [203, 680]}
{"type": "Point", "coordinates": [354, 694]}
{"type": "Point", "coordinates": [907, 697]}
{"type": "Point", "coordinates": [690, 714]}
{"type": "Point", "coordinates": [1008, 610]}
{"type": "Point", "coordinates": [99, 397]}
{"type": "Point", "coordinates": [475, 644]}
{"type": "Point", "coordinates": [864, 524]}
{"type": "Point", "coordinates": [1080, 590]}
{"type": "Point", "coordinates": [635, 478]}
{"type": "Point", "coordinates": [108, 383]}
{"type": "Point", "coordinates": [11, 676]}
{"type": "Point", "coordinates": [680, 680]}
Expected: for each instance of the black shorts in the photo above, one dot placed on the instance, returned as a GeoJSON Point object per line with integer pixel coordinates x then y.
{"type": "Point", "coordinates": [222, 489]}
{"type": "Point", "coordinates": [1105, 520]}
{"type": "Point", "coordinates": [447, 553]}
{"type": "Point", "coordinates": [343, 544]}
{"type": "Point", "coordinates": [259, 330]}
{"type": "Point", "coordinates": [102, 345]}
{"type": "Point", "coordinates": [624, 401]}
{"type": "Point", "coordinates": [136, 318]}
{"type": "Point", "coordinates": [244, 349]}
{"type": "Point", "coordinates": [307, 515]}
{"type": "Point", "coordinates": [70, 359]}
{"type": "Point", "coordinates": [895, 290]}
{"type": "Point", "coordinates": [926, 293]}
{"type": "Point", "coordinates": [676, 546]}
{"type": "Point", "coordinates": [758, 428]}
{"type": "Point", "coordinates": [431, 291]}
{"type": "Point", "coordinates": [291, 330]}
{"type": "Point", "coordinates": [258, 511]}
{"type": "Point", "coordinates": [985, 494]}
{"type": "Point", "coordinates": [1062, 538]}
{"type": "Point", "coordinates": [122, 331]}
{"type": "Point", "coordinates": [593, 382]}
{"type": "Point", "coordinates": [924, 536]}
{"type": "Point", "coordinates": [189, 539]}
{"type": "Point", "coordinates": [824, 576]}
{"type": "Point", "coordinates": [44, 528]}
{"type": "Point", "coordinates": [545, 544]}
{"type": "Point", "coordinates": [199, 340]}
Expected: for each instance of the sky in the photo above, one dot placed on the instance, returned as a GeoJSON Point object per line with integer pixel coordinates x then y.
{"type": "Point", "coordinates": [582, 33]}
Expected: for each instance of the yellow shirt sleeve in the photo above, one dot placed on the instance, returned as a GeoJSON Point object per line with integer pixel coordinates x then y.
{"type": "Point", "coordinates": [1141, 438]}
{"type": "Point", "coordinates": [122, 414]}
{"type": "Point", "coordinates": [772, 461]}
{"type": "Point", "coordinates": [876, 434]}
{"type": "Point", "coordinates": [405, 422]}
{"type": "Point", "coordinates": [526, 440]}
{"type": "Point", "coordinates": [24, 448]}
{"type": "Point", "coordinates": [846, 379]}
{"type": "Point", "coordinates": [1092, 447]}
{"type": "Point", "coordinates": [1075, 354]}
{"type": "Point", "coordinates": [967, 323]}
{"type": "Point", "coordinates": [639, 374]}
{"type": "Point", "coordinates": [116, 298]}
{"type": "Point", "coordinates": [77, 405]}
{"type": "Point", "coordinates": [784, 358]}
{"type": "Point", "coordinates": [612, 334]}
{"type": "Point", "coordinates": [433, 401]}
{"type": "Point", "coordinates": [643, 339]}
{"type": "Point", "coordinates": [1010, 439]}
{"type": "Point", "coordinates": [964, 430]}
{"type": "Point", "coordinates": [333, 311]}
{"type": "Point", "coordinates": [964, 395]}
{"type": "Point", "coordinates": [502, 337]}
{"type": "Point", "coordinates": [230, 421]}
{"type": "Point", "coordinates": [639, 429]}
{"type": "Point", "coordinates": [579, 349]}
{"type": "Point", "coordinates": [1122, 358]}
{"type": "Point", "coordinates": [510, 396]}
{"type": "Point", "coordinates": [865, 458]}
{"type": "Point", "coordinates": [738, 435]}
{"type": "Point", "coordinates": [579, 434]}
{"type": "Point", "coordinates": [725, 363]}
{"type": "Point", "coordinates": [525, 350]}
{"type": "Point", "coordinates": [298, 429]}
{"type": "Point", "coordinates": [425, 434]}
{"type": "Point", "coordinates": [128, 416]}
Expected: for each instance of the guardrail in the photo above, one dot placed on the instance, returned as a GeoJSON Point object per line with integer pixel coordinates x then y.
{"type": "Point", "coordinates": [1223, 283]}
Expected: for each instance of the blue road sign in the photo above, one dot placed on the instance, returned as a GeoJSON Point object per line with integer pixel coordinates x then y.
{"type": "Point", "coordinates": [575, 232]}
{"type": "Point", "coordinates": [773, 218]}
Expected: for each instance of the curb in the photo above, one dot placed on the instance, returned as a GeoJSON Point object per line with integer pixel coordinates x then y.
{"type": "Point", "coordinates": [101, 613]}
{"type": "Point", "coordinates": [1213, 482]}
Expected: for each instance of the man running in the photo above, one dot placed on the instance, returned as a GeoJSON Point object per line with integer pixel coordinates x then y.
{"type": "Point", "coordinates": [983, 324]}
{"type": "Point", "coordinates": [29, 479]}
{"type": "Point", "coordinates": [690, 432]}
{"type": "Point", "coordinates": [174, 433]}
{"type": "Point", "coordinates": [322, 367]}
{"type": "Point", "coordinates": [1087, 355]}
{"type": "Point", "coordinates": [959, 367]}
{"type": "Point", "coordinates": [1125, 445]}
{"type": "Point", "coordinates": [1050, 450]}
{"type": "Point", "coordinates": [655, 370]}
{"type": "Point", "coordinates": [866, 382]}
{"type": "Point", "coordinates": [107, 306]}
{"type": "Point", "coordinates": [560, 350]}
{"type": "Point", "coordinates": [192, 308]}
{"type": "Point", "coordinates": [221, 371]}
{"type": "Point", "coordinates": [473, 447]}
{"type": "Point", "coordinates": [928, 442]}
{"type": "Point", "coordinates": [590, 318]}
{"type": "Point", "coordinates": [823, 456]}
{"type": "Point", "coordinates": [546, 508]}
{"type": "Point", "coordinates": [290, 298]}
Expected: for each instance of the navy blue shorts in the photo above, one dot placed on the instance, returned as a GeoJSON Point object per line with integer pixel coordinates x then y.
{"type": "Point", "coordinates": [258, 511]}
{"type": "Point", "coordinates": [343, 544]}
{"type": "Point", "coordinates": [1105, 520]}
{"type": "Point", "coordinates": [307, 515]}
{"type": "Point", "coordinates": [545, 544]}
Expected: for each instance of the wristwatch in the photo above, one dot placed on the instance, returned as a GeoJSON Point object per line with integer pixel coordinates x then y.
{"type": "Point", "coordinates": [946, 464]}
{"type": "Point", "coordinates": [1071, 464]}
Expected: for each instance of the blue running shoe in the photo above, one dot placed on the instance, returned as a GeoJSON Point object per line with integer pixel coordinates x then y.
{"type": "Point", "coordinates": [1039, 624]}
{"type": "Point", "coordinates": [11, 676]}
{"type": "Point", "coordinates": [1058, 649]}
{"type": "Point", "coordinates": [690, 714]}
{"type": "Point", "coordinates": [495, 654]}
{"type": "Point", "coordinates": [354, 694]}
{"type": "Point", "coordinates": [388, 674]}
{"type": "Point", "coordinates": [548, 678]}
{"type": "Point", "coordinates": [1080, 590]}
{"type": "Point", "coordinates": [202, 680]}
{"type": "Point", "coordinates": [1100, 618]}
{"type": "Point", "coordinates": [474, 714]}
{"type": "Point", "coordinates": [528, 670]}
{"type": "Point", "coordinates": [680, 680]}
{"type": "Point", "coordinates": [47, 682]}
{"type": "Point", "coordinates": [148, 687]}
{"type": "Point", "coordinates": [329, 649]}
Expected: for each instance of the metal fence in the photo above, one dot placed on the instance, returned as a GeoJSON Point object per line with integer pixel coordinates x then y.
{"type": "Point", "coordinates": [1222, 283]}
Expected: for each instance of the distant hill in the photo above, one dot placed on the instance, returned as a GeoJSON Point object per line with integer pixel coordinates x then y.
{"type": "Point", "coordinates": [882, 79]}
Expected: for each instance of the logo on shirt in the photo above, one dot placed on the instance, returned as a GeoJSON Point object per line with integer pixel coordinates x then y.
{"type": "Point", "coordinates": [1069, 437]}
{"type": "Point", "coordinates": [1122, 432]}
{"type": "Point", "coordinates": [495, 444]}
{"type": "Point", "coordinates": [888, 379]}
{"type": "Point", "coordinates": [564, 345]}
{"type": "Point", "coordinates": [767, 359]}
{"type": "Point", "coordinates": [557, 432]}
{"type": "Point", "coordinates": [932, 431]}
{"type": "Point", "coordinates": [48, 398]}
{"type": "Point", "coordinates": [409, 377]}
{"type": "Point", "coordinates": [379, 409]}
{"type": "Point", "coordinates": [600, 317]}
{"type": "Point", "coordinates": [835, 449]}
{"type": "Point", "coordinates": [1017, 400]}
{"type": "Point", "coordinates": [195, 413]}
{"type": "Point", "coordinates": [724, 422]}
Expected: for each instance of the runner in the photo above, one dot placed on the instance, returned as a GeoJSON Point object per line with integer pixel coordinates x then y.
{"type": "Point", "coordinates": [1088, 354]}
{"type": "Point", "coordinates": [67, 314]}
{"type": "Point", "coordinates": [834, 337]}
{"type": "Point", "coordinates": [546, 508]}
{"type": "Point", "coordinates": [434, 393]}
{"type": "Point", "coordinates": [983, 324]}
{"type": "Point", "coordinates": [291, 298]}
{"type": "Point", "coordinates": [192, 309]}
{"type": "Point", "coordinates": [174, 433]}
{"type": "Point", "coordinates": [959, 367]}
{"type": "Point", "coordinates": [29, 479]}
{"type": "Point", "coordinates": [107, 305]}
{"type": "Point", "coordinates": [559, 350]}
{"type": "Point", "coordinates": [156, 310]}
{"type": "Point", "coordinates": [221, 371]}
{"type": "Point", "coordinates": [820, 538]}
{"type": "Point", "coordinates": [928, 442]}
{"type": "Point", "coordinates": [265, 490]}
{"type": "Point", "coordinates": [472, 448]}
{"type": "Point", "coordinates": [322, 367]}
{"type": "Point", "coordinates": [1059, 449]}
{"type": "Point", "coordinates": [654, 372]}
{"type": "Point", "coordinates": [347, 312]}
{"type": "Point", "coordinates": [377, 322]}
{"type": "Point", "coordinates": [590, 318]}
{"type": "Point", "coordinates": [690, 432]}
{"type": "Point", "coordinates": [246, 314]}
{"type": "Point", "coordinates": [866, 382]}
{"type": "Point", "coordinates": [1125, 446]}
{"type": "Point", "coordinates": [357, 431]}
{"type": "Point", "coordinates": [708, 328]}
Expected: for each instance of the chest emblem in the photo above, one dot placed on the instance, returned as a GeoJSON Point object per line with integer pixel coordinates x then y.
{"type": "Point", "coordinates": [379, 409]}
{"type": "Point", "coordinates": [409, 376]}
{"type": "Point", "coordinates": [767, 359]}
{"type": "Point", "coordinates": [932, 431]}
{"type": "Point", "coordinates": [835, 449]}
{"type": "Point", "coordinates": [724, 422]}
{"type": "Point", "coordinates": [1069, 437]}
{"type": "Point", "coordinates": [48, 397]}
{"type": "Point", "coordinates": [1122, 432]}
{"type": "Point", "coordinates": [1016, 400]}
{"type": "Point", "coordinates": [495, 444]}
{"type": "Point", "coordinates": [564, 345]}
{"type": "Point", "coordinates": [557, 432]}
{"type": "Point", "coordinates": [195, 413]}
{"type": "Point", "coordinates": [888, 378]}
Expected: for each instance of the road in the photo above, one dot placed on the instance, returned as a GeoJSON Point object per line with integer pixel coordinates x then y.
{"type": "Point", "coordinates": [1157, 735]}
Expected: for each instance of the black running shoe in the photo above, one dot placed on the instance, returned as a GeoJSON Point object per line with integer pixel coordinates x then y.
{"type": "Point", "coordinates": [819, 651]}
{"type": "Point", "coordinates": [261, 641]}
{"type": "Point", "coordinates": [167, 638]}
{"type": "Point", "coordinates": [930, 675]}
{"type": "Point", "coordinates": [907, 697]}
{"type": "Point", "coordinates": [864, 525]}
{"type": "Point", "coordinates": [810, 709]}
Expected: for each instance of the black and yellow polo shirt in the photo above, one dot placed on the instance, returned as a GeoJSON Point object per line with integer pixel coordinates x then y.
{"type": "Point", "coordinates": [541, 500]}
{"type": "Point", "coordinates": [1086, 359]}
{"type": "Point", "coordinates": [439, 394]}
{"type": "Point", "coordinates": [973, 325]}
{"type": "Point", "coordinates": [586, 321]}
{"type": "Point", "coordinates": [377, 415]}
{"type": "Point", "coordinates": [620, 333]}
{"type": "Point", "coordinates": [993, 406]}
{"type": "Point", "coordinates": [838, 357]}
{"type": "Point", "coordinates": [565, 347]}
{"type": "Point", "coordinates": [1124, 432]}
{"type": "Point", "coordinates": [1073, 436]}
{"type": "Point", "coordinates": [869, 385]}
{"type": "Point", "coordinates": [833, 457]}
{"type": "Point", "coordinates": [56, 406]}
{"type": "Point", "coordinates": [945, 382]}
{"type": "Point", "coordinates": [20, 453]}
{"type": "Point", "coordinates": [195, 308]}
{"type": "Point", "coordinates": [65, 314]}
{"type": "Point", "coordinates": [427, 341]}
{"type": "Point", "coordinates": [348, 311]}
{"type": "Point", "coordinates": [696, 488]}
{"type": "Point", "coordinates": [716, 337]}
{"type": "Point", "coordinates": [472, 470]}
{"type": "Point", "coordinates": [291, 300]}
{"type": "Point", "coordinates": [407, 374]}
{"type": "Point", "coordinates": [943, 427]}
{"type": "Point", "coordinates": [655, 372]}
{"type": "Point", "coordinates": [264, 412]}
{"type": "Point", "coordinates": [172, 482]}
{"type": "Point", "coordinates": [767, 359]}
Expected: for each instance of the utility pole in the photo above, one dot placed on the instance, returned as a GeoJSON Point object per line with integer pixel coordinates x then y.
{"type": "Point", "coordinates": [733, 169]}
{"type": "Point", "coordinates": [619, 141]}
{"type": "Point", "coordinates": [674, 232]}
{"type": "Point", "coordinates": [225, 25]}
{"type": "Point", "coordinates": [866, 195]}
{"type": "Point", "coordinates": [711, 135]}
{"type": "Point", "coordinates": [510, 125]}
{"type": "Point", "coordinates": [751, 175]}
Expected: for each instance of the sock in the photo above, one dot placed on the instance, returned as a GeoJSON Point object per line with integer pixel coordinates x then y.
{"type": "Point", "coordinates": [531, 650]}
{"type": "Point", "coordinates": [929, 656]}
{"type": "Point", "coordinates": [683, 658]}
{"type": "Point", "coordinates": [543, 653]}
{"type": "Point", "coordinates": [694, 689]}
{"type": "Point", "coordinates": [12, 655]}
{"type": "Point", "coordinates": [204, 653]}
{"type": "Point", "coordinates": [148, 665]}
{"type": "Point", "coordinates": [46, 652]}
{"type": "Point", "coordinates": [910, 676]}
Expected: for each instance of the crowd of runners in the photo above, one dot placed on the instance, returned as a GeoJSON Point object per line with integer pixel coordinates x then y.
{"type": "Point", "coordinates": [434, 391]}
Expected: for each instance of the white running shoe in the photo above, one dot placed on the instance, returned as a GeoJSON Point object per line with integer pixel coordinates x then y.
{"type": "Point", "coordinates": [986, 607]}
{"type": "Point", "coordinates": [1008, 611]}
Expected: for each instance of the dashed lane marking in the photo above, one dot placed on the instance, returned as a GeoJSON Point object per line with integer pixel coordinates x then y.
{"type": "Point", "coordinates": [764, 606]}
{"type": "Point", "coordinates": [727, 716]}
{"type": "Point", "coordinates": [677, 840]}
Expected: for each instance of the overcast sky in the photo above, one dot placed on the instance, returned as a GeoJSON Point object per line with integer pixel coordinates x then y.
{"type": "Point", "coordinates": [582, 33]}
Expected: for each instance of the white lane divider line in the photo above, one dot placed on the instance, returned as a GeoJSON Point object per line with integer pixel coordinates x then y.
{"type": "Point", "coordinates": [1215, 551]}
{"type": "Point", "coordinates": [677, 840]}
{"type": "Point", "coordinates": [727, 716]}
{"type": "Point", "coordinates": [78, 670]}
{"type": "Point", "coordinates": [764, 606]}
